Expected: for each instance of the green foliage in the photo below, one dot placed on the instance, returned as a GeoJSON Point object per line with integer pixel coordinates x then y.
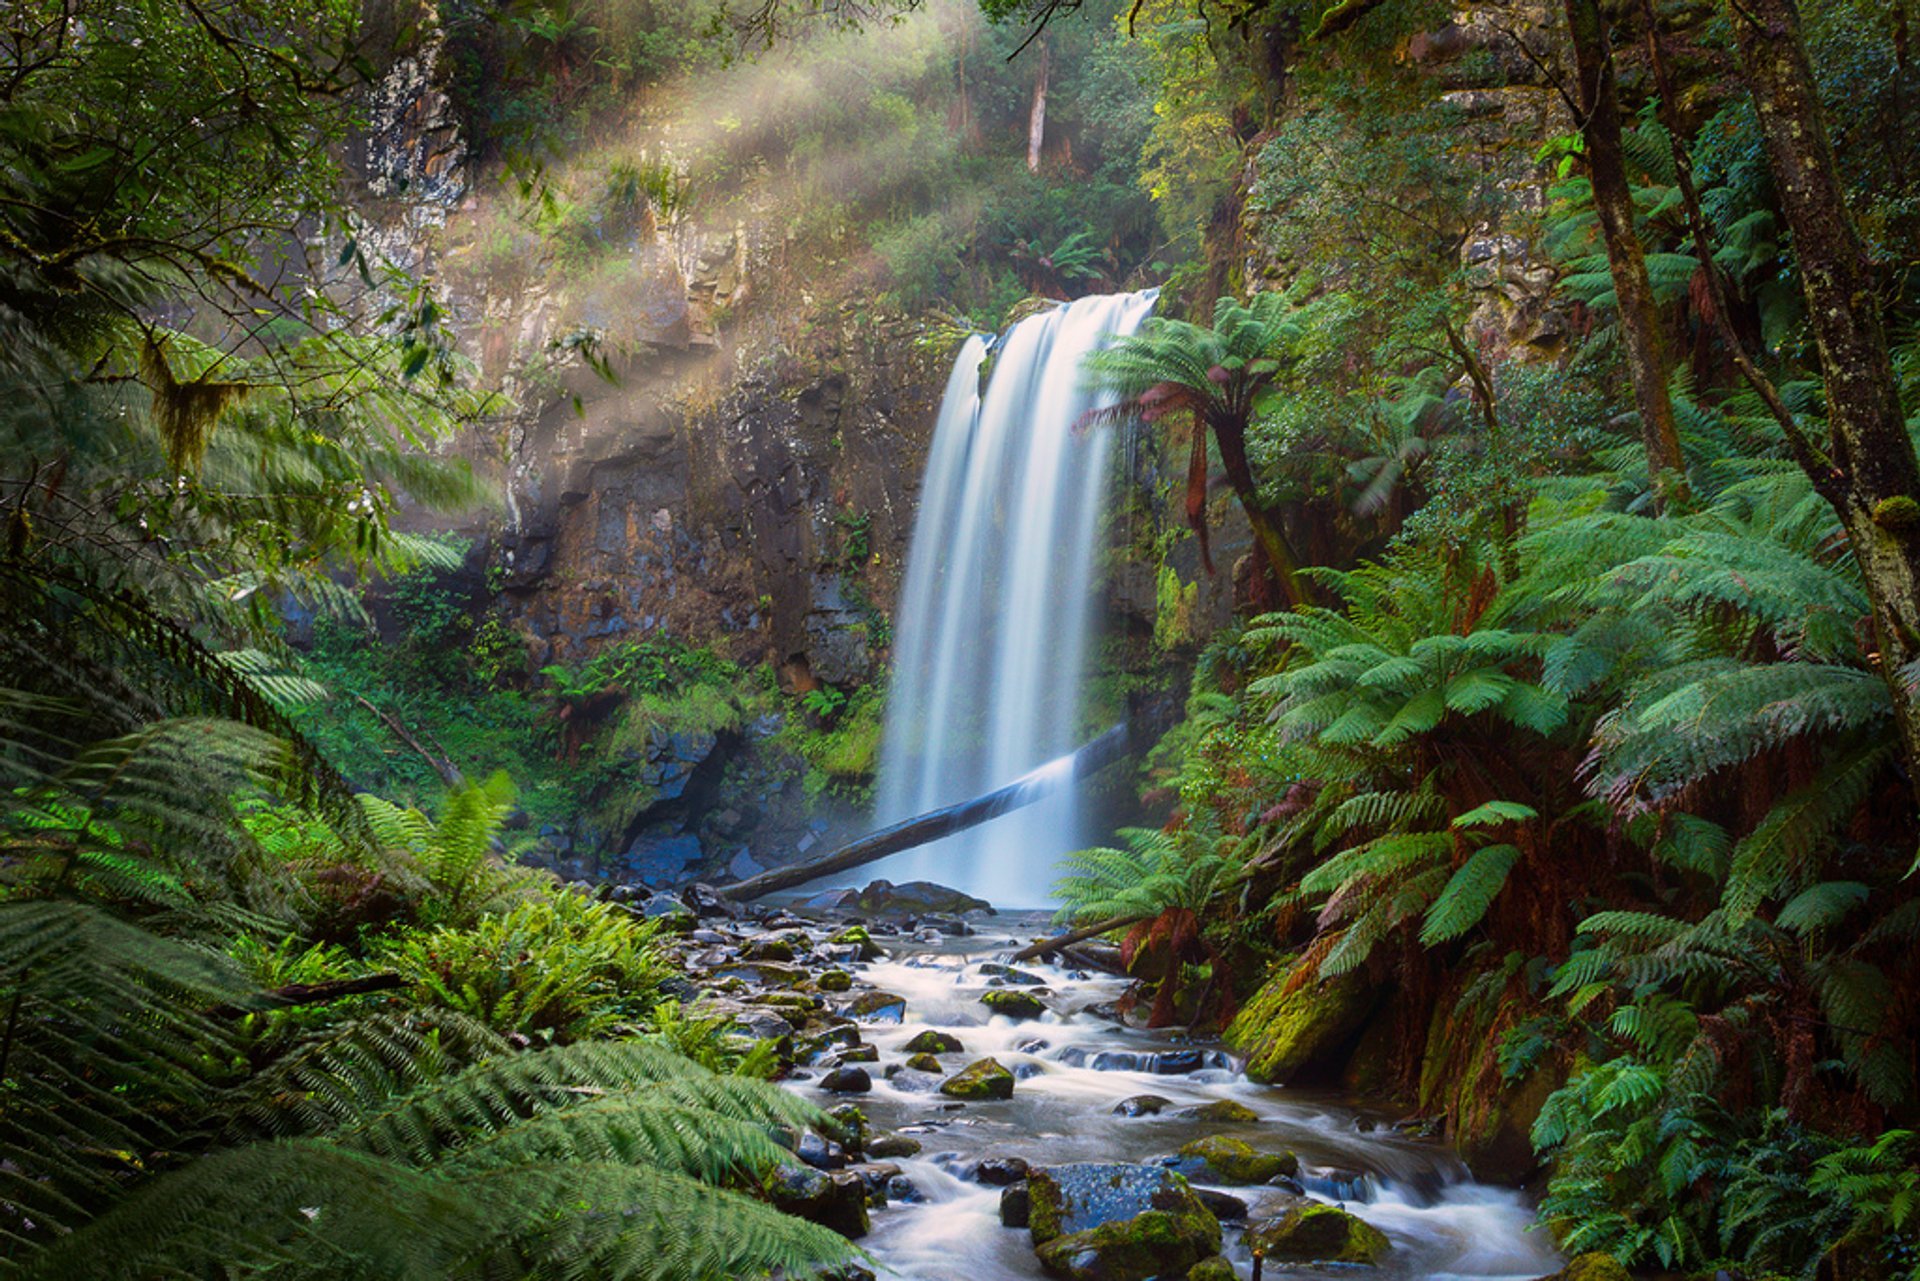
{"type": "Point", "coordinates": [1153, 873]}
{"type": "Point", "coordinates": [559, 967]}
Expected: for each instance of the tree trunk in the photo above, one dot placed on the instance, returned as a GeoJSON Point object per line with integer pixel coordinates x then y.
{"type": "Point", "coordinates": [1231, 437]}
{"type": "Point", "coordinates": [922, 828]}
{"type": "Point", "coordinates": [1599, 100]}
{"type": "Point", "coordinates": [1037, 117]}
{"type": "Point", "coordinates": [1874, 480]}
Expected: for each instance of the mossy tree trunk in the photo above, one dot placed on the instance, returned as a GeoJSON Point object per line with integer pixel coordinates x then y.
{"type": "Point", "coordinates": [1868, 470]}
{"type": "Point", "coordinates": [1230, 437]}
{"type": "Point", "coordinates": [1598, 100]}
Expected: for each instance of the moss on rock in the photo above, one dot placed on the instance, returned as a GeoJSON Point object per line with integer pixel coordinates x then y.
{"type": "Point", "coordinates": [1318, 1233]}
{"type": "Point", "coordinates": [1289, 1035]}
{"type": "Point", "coordinates": [985, 1079]}
{"type": "Point", "coordinates": [1015, 1005]}
{"type": "Point", "coordinates": [1230, 1160]}
{"type": "Point", "coordinates": [1214, 1268]}
{"type": "Point", "coordinates": [1157, 1243]}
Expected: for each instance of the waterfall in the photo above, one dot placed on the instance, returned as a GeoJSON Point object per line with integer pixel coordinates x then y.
{"type": "Point", "coordinates": [993, 622]}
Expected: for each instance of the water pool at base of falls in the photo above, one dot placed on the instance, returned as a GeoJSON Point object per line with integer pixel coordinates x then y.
{"type": "Point", "coordinates": [1076, 1063]}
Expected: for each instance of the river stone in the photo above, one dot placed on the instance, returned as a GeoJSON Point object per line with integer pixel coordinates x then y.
{"type": "Point", "coordinates": [1000, 1171]}
{"type": "Point", "coordinates": [985, 1079]}
{"type": "Point", "coordinates": [834, 981]}
{"type": "Point", "coordinates": [847, 1080]}
{"type": "Point", "coordinates": [1318, 1233]}
{"type": "Point", "coordinates": [1225, 1207]}
{"type": "Point", "coordinates": [857, 936]}
{"type": "Point", "coordinates": [878, 1007]}
{"type": "Point", "coordinates": [837, 1200]}
{"type": "Point", "coordinates": [925, 1063]}
{"type": "Point", "coordinates": [888, 1145]}
{"type": "Point", "coordinates": [771, 949]}
{"type": "Point", "coordinates": [856, 1054]}
{"type": "Point", "coordinates": [916, 898]}
{"type": "Point", "coordinates": [766, 973]}
{"type": "Point", "coordinates": [1016, 1203]}
{"type": "Point", "coordinates": [1142, 1105]}
{"type": "Point", "coordinates": [1220, 1110]}
{"type": "Point", "coordinates": [1159, 1242]}
{"type": "Point", "coordinates": [1007, 974]}
{"type": "Point", "coordinates": [901, 1188]}
{"type": "Point", "coordinates": [1086, 1194]}
{"type": "Point", "coordinates": [1233, 1161]}
{"type": "Point", "coordinates": [1216, 1268]}
{"type": "Point", "coordinates": [820, 1153]}
{"type": "Point", "coordinates": [934, 1041]}
{"type": "Point", "coordinates": [1015, 1005]}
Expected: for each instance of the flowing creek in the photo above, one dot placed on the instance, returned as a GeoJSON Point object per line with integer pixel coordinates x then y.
{"type": "Point", "coordinates": [1074, 1066]}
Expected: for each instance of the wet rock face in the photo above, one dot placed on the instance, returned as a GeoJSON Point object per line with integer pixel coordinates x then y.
{"type": "Point", "coordinates": [1219, 1159]}
{"type": "Point", "coordinates": [835, 1199]}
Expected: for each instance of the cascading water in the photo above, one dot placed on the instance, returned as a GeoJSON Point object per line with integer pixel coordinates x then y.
{"type": "Point", "coordinates": [996, 611]}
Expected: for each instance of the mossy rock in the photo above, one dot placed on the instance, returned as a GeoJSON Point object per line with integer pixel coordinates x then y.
{"type": "Point", "coordinates": [878, 1007]}
{"type": "Point", "coordinates": [1215, 1268]}
{"type": "Point", "coordinates": [1228, 1160]}
{"type": "Point", "coordinates": [889, 1145]}
{"type": "Point", "coordinates": [1220, 1110]}
{"type": "Point", "coordinates": [1154, 1244]}
{"type": "Point", "coordinates": [1288, 1036]}
{"type": "Point", "coordinates": [925, 1063]}
{"type": "Point", "coordinates": [1317, 1233]}
{"type": "Point", "coordinates": [1596, 1265]}
{"type": "Point", "coordinates": [848, 1126]}
{"type": "Point", "coordinates": [773, 949]}
{"type": "Point", "coordinates": [769, 973]}
{"type": "Point", "coordinates": [1086, 1194]}
{"type": "Point", "coordinates": [857, 936]}
{"type": "Point", "coordinates": [1013, 1004]}
{"type": "Point", "coordinates": [934, 1041]}
{"type": "Point", "coordinates": [834, 981]}
{"type": "Point", "coordinates": [837, 1200]}
{"type": "Point", "coordinates": [986, 1079]}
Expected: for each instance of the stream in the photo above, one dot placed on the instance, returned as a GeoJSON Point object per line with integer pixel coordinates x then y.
{"type": "Point", "coordinates": [1075, 1064]}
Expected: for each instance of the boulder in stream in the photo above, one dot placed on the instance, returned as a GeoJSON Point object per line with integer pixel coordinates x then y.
{"type": "Point", "coordinates": [1318, 1233]}
{"type": "Point", "coordinates": [1216, 1268]}
{"type": "Point", "coordinates": [924, 1063]}
{"type": "Point", "coordinates": [847, 1080]}
{"type": "Point", "coordinates": [1013, 1004]}
{"type": "Point", "coordinates": [1000, 1171]}
{"type": "Point", "coordinates": [1116, 1222]}
{"type": "Point", "coordinates": [985, 1079]}
{"type": "Point", "coordinates": [916, 898]}
{"type": "Point", "coordinates": [1219, 1110]}
{"type": "Point", "coordinates": [934, 1041]}
{"type": "Point", "coordinates": [857, 936]}
{"type": "Point", "coordinates": [834, 981]}
{"type": "Point", "coordinates": [877, 1007]}
{"type": "Point", "coordinates": [1226, 1160]}
{"type": "Point", "coordinates": [888, 1145]}
{"type": "Point", "coordinates": [1142, 1105]}
{"type": "Point", "coordinates": [836, 1200]}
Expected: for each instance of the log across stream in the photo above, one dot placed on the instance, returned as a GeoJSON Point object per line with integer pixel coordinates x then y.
{"type": "Point", "coordinates": [1075, 1065]}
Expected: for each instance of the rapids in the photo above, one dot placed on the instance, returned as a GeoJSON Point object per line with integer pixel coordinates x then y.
{"type": "Point", "coordinates": [1076, 1064]}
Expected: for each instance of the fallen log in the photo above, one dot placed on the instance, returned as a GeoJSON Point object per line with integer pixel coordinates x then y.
{"type": "Point", "coordinates": [922, 828]}
{"type": "Point", "coordinates": [1058, 942]}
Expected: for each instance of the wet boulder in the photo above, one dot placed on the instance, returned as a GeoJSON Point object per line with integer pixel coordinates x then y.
{"type": "Point", "coordinates": [856, 936]}
{"type": "Point", "coordinates": [934, 1041]}
{"type": "Point", "coordinates": [916, 898]}
{"type": "Point", "coordinates": [1013, 1004]}
{"type": "Point", "coordinates": [1142, 1105]}
{"type": "Point", "coordinates": [1010, 976]}
{"type": "Point", "coordinates": [1000, 1171]}
{"type": "Point", "coordinates": [925, 1063]}
{"type": "Point", "coordinates": [1219, 1110]}
{"type": "Point", "coordinates": [836, 1200]}
{"type": "Point", "coordinates": [1220, 1159]}
{"type": "Point", "coordinates": [1301, 1034]}
{"type": "Point", "coordinates": [856, 1054]}
{"type": "Point", "coordinates": [847, 1080]}
{"type": "Point", "coordinates": [1226, 1208]}
{"type": "Point", "coordinates": [1216, 1268]}
{"type": "Point", "coordinates": [1320, 1234]}
{"type": "Point", "coordinates": [1086, 1194]}
{"type": "Point", "coordinates": [1016, 1203]}
{"type": "Point", "coordinates": [985, 1079]}
{"type": "Point", "coordinates": [847, 1125]}
{"type": "Point", "coordinates": [768, 949]}
{"type": "Point", "coordinates": [834, 981]}
{"type": "Point", "coordinates": [877, 1007]}
{"type": "Point", "coordinates": [1101, 1222]}
{"type": "Point", "coordinates": [892, 1145]}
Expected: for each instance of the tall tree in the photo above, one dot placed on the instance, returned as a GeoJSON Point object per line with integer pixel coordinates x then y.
{"type": "Point", "coordinates": [1597, 99]}
{"type": "Point", "coordinates": [1868, 470]}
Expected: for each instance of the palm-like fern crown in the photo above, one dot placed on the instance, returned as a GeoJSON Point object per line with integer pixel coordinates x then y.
{"type": "Point", "coordinates": [1175, 364]}
{"type": "Point", "coordinates": [1154, 872]}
